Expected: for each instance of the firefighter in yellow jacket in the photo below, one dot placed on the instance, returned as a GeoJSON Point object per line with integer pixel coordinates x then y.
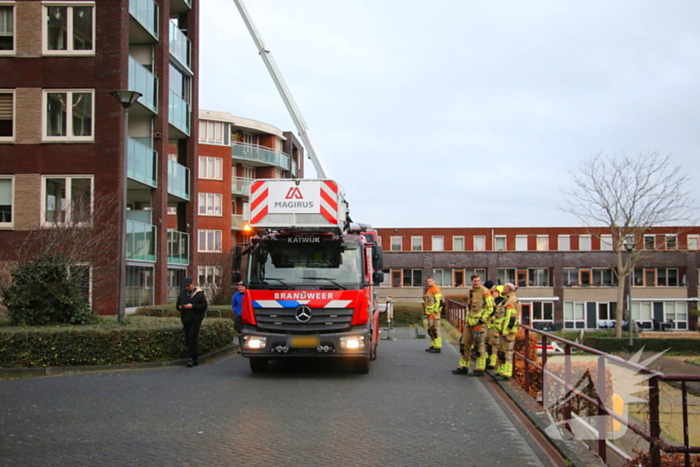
{"type": "Point", "coordinates": [492, 334]}
{"type": "Point", "coordinates": [475, 324]}
{"type": "Point", "coordinates": [432, 302]}
{"type": "Point", "coordinates": [506, 323]}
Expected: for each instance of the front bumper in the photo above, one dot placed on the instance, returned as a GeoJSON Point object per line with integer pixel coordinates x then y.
{"type": "Point", "coordinates": [354, 343]}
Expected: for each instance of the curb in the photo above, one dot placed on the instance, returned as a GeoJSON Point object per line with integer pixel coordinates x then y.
{"type": "Point", "coordinates": [7, 373]}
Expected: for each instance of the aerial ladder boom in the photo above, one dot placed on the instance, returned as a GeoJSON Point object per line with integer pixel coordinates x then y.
{"type": "Point", "coordinates": [283, 90]}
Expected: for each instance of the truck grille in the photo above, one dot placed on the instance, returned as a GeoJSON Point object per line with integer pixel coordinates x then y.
{"type": "Point", "coordinates": [322, 320]}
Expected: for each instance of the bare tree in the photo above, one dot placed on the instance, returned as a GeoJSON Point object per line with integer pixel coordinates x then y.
{"type": "Point", "coordinates": [629, 195]}
{"type": "Point", "coordinates": [219, 291]}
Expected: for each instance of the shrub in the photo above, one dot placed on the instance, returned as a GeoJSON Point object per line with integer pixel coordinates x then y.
{"type": "Point", "coordinates": [405, 314]}
{"type": "Point", "coordinates": [42, 292]}
{"type": "Point", "coordinates": [147, 341]}
{"type": "Point", "coordinates": [651, 344]}
{"type": "Point", "coordinates": [171, 312]}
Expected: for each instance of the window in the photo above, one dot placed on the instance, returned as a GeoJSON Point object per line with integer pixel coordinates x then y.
{"type": "Point", "coordinates": [439, 278]}
{"type": "Point", "coordinates": [7, 28]}
{"type": "Point", "coordinates": [248, 172]}
{"type": "Point", "coordinates": [458, 244]}
{"type": "Point", "coordinates": [584, 243]}
{"type": "Point", "coordinates": [538, 277]}
{"type": "Point", "coordinates": [603, 277]}
{"type": "Point", "coordinates": [667, 277]}
{"type": "Point", "coordinates": [521, 277]}
{"type": "Point", "coordinates": [649, 242]}
{"type": "Point", "coordinates": [569, 277]}
{"type": "Point", "coordinates": [7, 111]}
{"type": "Point", "coordinates": [606, 243]}
{"type": "Point", "coordinates": [671, 242]}
{"type": "Point", "coordinates": [172, 210]}
{"type": "Point", "coordinates": [6, 201]}
{"type": "Point", "coordinates": [210, 240]}
{"type": "Point", "coordinates": [574, 315]}
{"type": "Point", "coordinates": [208, 277]}
{"type": "Point", "coordinates": [693, 242]}
{"type": "Point", "coordinates": [416, 243]}
{"type": "Point", "coordinates": [479, 243]}
{"type": "Point", "coordinates": [210, 204]}
{"type": "Point", "coordinates": [642, 311]}
{"type": "Point", "coordinates": [458, 277]}
{"type": "Point", "coordinates": [521, 243]}
{"type": "Point", "coordinates": [66, 199]}
{"type": "Point", "coordinates": [412, 277]}
{"type": "Point", "coordinates": [210, 168]}
{"type": "Point", "coordinates": [500, 243]}
{"type": "Point", "coordinates": [563, 243]}
{"type": "Point", "coordinates": [505, 275]}
{"type": "Point", "coordinates": [395, 244]}
{"type": "Point", "coordinates": [438, 244]}
{"type": "Point", "coordinates": [585, 277]}
{"type": "Point", "coordinates": [542, 311]}
{"type": "Point", "coordinates": [542, 242]}
{"type": "Point", "coordinates": [213, 133]}
{"type": "Point", "coordinates": [69, 29]}
{"type": "Point", "coordinates": [69, 115]}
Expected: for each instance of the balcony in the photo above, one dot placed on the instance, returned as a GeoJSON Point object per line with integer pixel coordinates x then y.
{"type": "Point", "coordinates": [178, 247]}
{"type": "Point", "coordinates": [180, 6]}
{"type": "Point", "coordinates": [179, 116]}
{"type": "Point", "coordinates": [180, 47]}
{"type": "Point", "coordinates": [241, 186]}
{"type": "Point", "coordinates": [260, 155]}
{"type": "Point", "coordinates": [145, 14]}
{"type": "Point", "coordinates": [145, 82]}
{"type": "Point", "coordinates": [140, 241]}
{"type": "Point", "coordinates": [178, 180]}
{"type": "Point", "coordinates": [141, 164]}
{"type": "Point", "coordinates": [237, 222]}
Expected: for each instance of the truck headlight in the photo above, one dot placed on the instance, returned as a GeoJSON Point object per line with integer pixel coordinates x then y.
{"type": "Point", "coordinates": [254, 342]}
{"type": "Point", "coordinates": [352, 342]}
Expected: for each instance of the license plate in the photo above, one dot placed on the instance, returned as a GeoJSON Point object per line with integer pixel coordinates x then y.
{"type": "Point", "coordinates": [304, 342]}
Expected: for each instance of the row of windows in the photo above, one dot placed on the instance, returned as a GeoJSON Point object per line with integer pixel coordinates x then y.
{"type": "Point", "coordinates": [651, 242]}
{"type": "Point", "coordinates": [67, 29]}
{"type": "Point", "coordinates": [595, 315]}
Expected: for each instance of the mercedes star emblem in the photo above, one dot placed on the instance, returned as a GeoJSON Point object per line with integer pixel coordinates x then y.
{"type": "Point", "coordinates": [303, 314]}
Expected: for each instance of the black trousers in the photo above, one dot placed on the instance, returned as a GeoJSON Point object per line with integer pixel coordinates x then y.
{"type": "Point", "coordinates": [191, 327]}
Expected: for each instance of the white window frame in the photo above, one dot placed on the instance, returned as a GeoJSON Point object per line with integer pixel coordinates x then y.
{"type": "Point", "coordinates": [479, 242]}
{"type": "Point", "coordinates": [10, 224]}
{"type": "Point", "coordinates": [14, 113]}
{"type": "Point", "coordinates": [503, 238]}
{"type": "Point", "coordinates": [563, 243]}
{"type": "Point", "coordinates": [542, 243]}
{"type": "Point", "coordinates": [574, 313]}
{"type": "Point", "coordinates": [391, 245]}
{"type": "Point", "coordinates": [13, 51]}
{"type": "Point", "coordinates": [218, 166]}
{"type": "Point", "coordinates": [69, 116]}
{"type": "Point", "coordinates": [694, 238]}
{"type": "Point", "coordinates": [438, 243]}
{"type": "Point", "coordinates": [209, 273]}
{"type": "Point", "coordinates": [419, 246]}
{"type": "Point", "coordinates": [521, 243]}
{"type": "Point", "coordinates": [606, 242]}
{"type": "Point", "coordinates": [455, 239]}
{"type": "Point", "coordinates": [217, 128]}
{"type": "Point", "coordinates": [69, 179]}
{"type": "Point", "coordinates": [69, 50]}
{"type": "Point", "coordinates": [207, 236]}
{"type": "Point", "coordinates": [172, 211]}
{"type": "Point", "coordinates": [210, 204]}
{"type": "Point", "coordinates": [585, 243]}
{"type": "Point", "coordinates": [666, 241]}
{"type": "Point", "coordinates": [653, 242]}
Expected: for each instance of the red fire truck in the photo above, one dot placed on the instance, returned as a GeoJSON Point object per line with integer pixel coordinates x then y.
{"type": "Point", "coordinates": [311, 274]}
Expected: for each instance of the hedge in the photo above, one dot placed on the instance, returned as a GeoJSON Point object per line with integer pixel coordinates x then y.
{"type": "Point", "coordinates": [161, 340]}
{"type": "Point", "coordinates": [651, 344]}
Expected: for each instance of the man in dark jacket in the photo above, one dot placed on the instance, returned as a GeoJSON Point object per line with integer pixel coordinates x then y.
{"type": "Point", "coordinates": [192, 305]}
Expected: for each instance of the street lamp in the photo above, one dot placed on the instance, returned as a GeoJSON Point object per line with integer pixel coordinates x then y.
{"type": "Point", "coordinates": [126, 99]}
{"type": "Point", "coordinates": [629, 245]}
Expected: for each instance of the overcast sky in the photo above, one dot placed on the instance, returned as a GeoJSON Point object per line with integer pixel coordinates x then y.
{"type": "Point", "coordinates": [457, 113]}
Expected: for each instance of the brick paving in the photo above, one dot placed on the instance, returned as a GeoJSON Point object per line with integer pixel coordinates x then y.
{"type": "Point", "coordinates": [410, 410]}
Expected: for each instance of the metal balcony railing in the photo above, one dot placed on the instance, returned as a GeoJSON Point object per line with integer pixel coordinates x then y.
{"type": "Point", "coordinates": [237, 222]}
{"type": "Point", "coordinates": [178, 180]}
{"type": "Point", "coordinates": [178, 247]}
{"type": "Point", "coordinates": [141, 164]}
{"type": "Point", "coordinates": [179, 113]}
{"type": "Point", "coordinates": [145, 82]}
{"type": "Point", "coordinates": [256, 153]}
{"type": "Point", "coordinates": [140, 241]}
{"type": "Point", "coordinates": [241, 186]}
{"type": "Point", "coordinates": [180, 46]}
{"type": "Point", "coordinates": [146, 13]}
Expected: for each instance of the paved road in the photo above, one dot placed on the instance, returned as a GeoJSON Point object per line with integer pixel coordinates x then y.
{"type": "Point", "coordinates": [410, 410]}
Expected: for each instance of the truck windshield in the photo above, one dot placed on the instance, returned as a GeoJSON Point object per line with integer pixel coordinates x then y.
{"type": "Point", "coordinates": [306, 262]}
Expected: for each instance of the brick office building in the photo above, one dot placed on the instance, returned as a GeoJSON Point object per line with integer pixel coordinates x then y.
{"type": "Point", "coordinates": [62, 140]}
{"type": "Point", "coordinates": [566, 275]}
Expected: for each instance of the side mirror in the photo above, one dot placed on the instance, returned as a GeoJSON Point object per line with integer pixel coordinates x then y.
{"type": "Point", "coordinates": [377, 277]}
{"type": "Point", "coordinates": [377, 258]}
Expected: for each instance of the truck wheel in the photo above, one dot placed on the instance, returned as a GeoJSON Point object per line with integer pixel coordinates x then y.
{"type": "Point", "coordinates": [362, 365]}
{"type": "Point", "coordinates": [258, 364]}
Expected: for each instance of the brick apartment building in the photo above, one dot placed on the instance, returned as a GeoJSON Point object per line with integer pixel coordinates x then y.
{"type": "Point", "coordinates": [565, 275]}
{"type": "Point", "coordinates": [233, 151]}
{"type": "Point", "coordinates": [62, 141]}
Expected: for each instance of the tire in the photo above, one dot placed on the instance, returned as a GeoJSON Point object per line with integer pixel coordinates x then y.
{"type": "Point", "coordinates": [361, 365]}
{"type": "Point", "coordinates": [258, 364]}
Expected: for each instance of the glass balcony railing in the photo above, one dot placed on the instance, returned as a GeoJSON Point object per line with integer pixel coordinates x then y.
{"type": "Point", "coordinates": [141, 164]}
{"type": "Point", "coordinates": [237, 222]}
{"type": "Point", "coordinates": [146, 13]}
{"type": "Point", "coordinates": [140, 241]}
{"type": "Point", "coordinates": [179, 113]}
{"type": "Point", "coordinates": [178, 180]}
{"type": "Point", "coordinates": [253, 152]}
{"type": "Point", "coordinates": [178, 247]}
{"type": "Point", "coordinates": [145, 82]}
{"type": "Point", "coordinates": [179, 46]}
{"type": "Point", "coordinates": [241, 186]}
